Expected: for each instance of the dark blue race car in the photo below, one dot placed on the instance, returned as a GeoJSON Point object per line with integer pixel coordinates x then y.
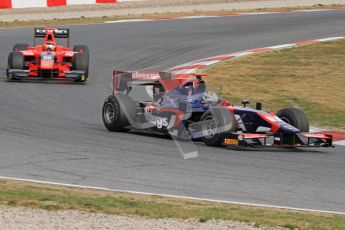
{"type": "Point", "coordinates": [179, 105]}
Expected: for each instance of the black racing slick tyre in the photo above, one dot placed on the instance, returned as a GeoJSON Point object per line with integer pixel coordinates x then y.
{"type": "Point", "coordinates": [118, 112]}
{"type": "Point", "coordinates": [20, 47]}
{"type": "Point", "coordinates": [81, 49]}
{"type": "Point", "coordinates": [214, 122]}
{"type": "Point", "coordinates": [294, 117]}
{"type": "Point", "coordinates": [81, 62]}
{"type": "Point", "coordinates": [16, 60]}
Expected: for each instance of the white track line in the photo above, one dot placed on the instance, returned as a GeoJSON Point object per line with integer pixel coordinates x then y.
{"type": "Point", "coordinates": [173, 196]}
{"type": "Point", "coordinates": [259, 13]}
{"type": "Point", "coordinates": [340, 142]}
{"type": "Point", "coordinates": [329, 39]}
{"type": "Point", "coordinates": [185, 71]}
{"type": "Point", "coordinates": [192, 17]}
{"type": "Point", "coordinates": [314, 129]}
{"type": "Point", "coordinates": [317, 10]}
{"type": "Point", "coordinates": [284, 46]}
{"type": "Point", "coordinates": [240, 54]}
{"type": "Point", "coordinates": [199, 62]}
{"type": "Point", "coordinates": [129, 20]}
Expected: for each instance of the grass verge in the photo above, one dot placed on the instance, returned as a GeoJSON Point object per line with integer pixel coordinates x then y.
{"type": "Point", "coordinates": [94, 20]}
{"type": "Point", "coordinates": [310, 77]}
{"type": "Point", "coordinates": [56, 197]}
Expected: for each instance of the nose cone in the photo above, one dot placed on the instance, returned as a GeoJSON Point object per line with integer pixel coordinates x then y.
{"type": "Point", "coordinates": [286, 128]}
{"type": "Point", "coordinates": [47, 61]}
{"type": "Point", "coordinates": [47, 64]}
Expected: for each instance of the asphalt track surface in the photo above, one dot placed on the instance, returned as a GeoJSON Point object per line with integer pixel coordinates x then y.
{"type": "Point", "coordinates": [54, 132]}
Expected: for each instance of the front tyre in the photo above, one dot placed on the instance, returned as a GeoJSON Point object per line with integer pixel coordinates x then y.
{"type": "Point", "coordinates": [81, 62]}
{"type": "Point", "coordinates": [15, 61]}
{"type": "Point", "coordinates": [294, 117]}
{"type": "Point", "coordinates": [214, 123]}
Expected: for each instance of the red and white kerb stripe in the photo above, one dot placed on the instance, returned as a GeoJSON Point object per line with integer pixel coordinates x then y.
{"type": "Point", "coordinates": [49, 3]}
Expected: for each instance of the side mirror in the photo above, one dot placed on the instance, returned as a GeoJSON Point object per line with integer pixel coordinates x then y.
{"type": "Point", "coordinates": [245, 102]}
{"type": "Point", "coordinates": [258, 105]}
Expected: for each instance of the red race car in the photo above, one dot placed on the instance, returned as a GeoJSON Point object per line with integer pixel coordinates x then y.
{"type": "Point", "coordinates": [49, 60]}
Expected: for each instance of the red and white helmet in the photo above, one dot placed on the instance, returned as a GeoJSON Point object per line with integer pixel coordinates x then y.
{"type": "Point", "coordinates": [50, 46]}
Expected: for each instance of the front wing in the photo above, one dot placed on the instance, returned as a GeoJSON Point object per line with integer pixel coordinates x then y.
{"type": "Point", "coordinates": [271, 140]}
{"type": "Point", "coordinates": [20, 74]}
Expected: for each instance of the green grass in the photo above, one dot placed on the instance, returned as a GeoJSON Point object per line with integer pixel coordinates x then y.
{"type": "Point", "coordinates": [309, 77]}
{"type": "Point", "coordinates": [55, 198]}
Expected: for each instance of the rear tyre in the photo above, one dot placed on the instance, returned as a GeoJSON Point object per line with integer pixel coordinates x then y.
{"type": "Point", "coordinates": [118, 111]}
{"type": "Point", "coordinates": [20, 47]}
{"type": "Point", "coordinates": [81, 62]}
{"type": "Point", "coordinates": [81, 49]}
{"type": "Point", "coordinates": [294, 117]}
{"type": "Point", "coordinates": [215, 122]}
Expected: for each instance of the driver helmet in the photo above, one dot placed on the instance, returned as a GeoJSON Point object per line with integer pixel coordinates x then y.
{"type": "Point", "coordinates": [50, 46]}
{"type": "Point", "coordinates": [201, 85]}
{"type": "Point", "coordinates": [187, 89]}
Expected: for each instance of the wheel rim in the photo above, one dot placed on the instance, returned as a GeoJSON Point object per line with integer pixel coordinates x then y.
{"type": "Point", "coordinates": [109, 113]}
{"type": "Point", "coordinates": [209, 127]}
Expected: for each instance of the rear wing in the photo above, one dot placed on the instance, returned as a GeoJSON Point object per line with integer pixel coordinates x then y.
{"type": "Point", "coordinates": [122, 80]}
{"type": "Point", "coordinates": [57, 32]}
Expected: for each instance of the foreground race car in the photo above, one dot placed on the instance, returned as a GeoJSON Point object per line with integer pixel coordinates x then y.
{"type": "Point", "coordinates": [49, 60]}
{"type": "Point", "coordinates": [181, 107]}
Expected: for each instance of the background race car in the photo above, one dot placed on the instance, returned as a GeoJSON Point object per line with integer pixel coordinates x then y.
{"type": "Point", "coordinates": [49, 60]}
{"type": "Point", "coordinates": [180, 106]}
